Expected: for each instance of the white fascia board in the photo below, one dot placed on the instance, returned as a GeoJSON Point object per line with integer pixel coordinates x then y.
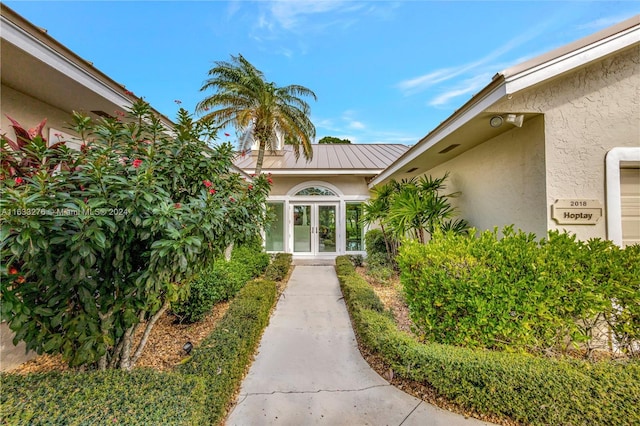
{"type": "Point", "coordinates": [332, 172]}
{"type": "Point", "coordinates": [572, 60]}
{"type": "Point", "coordinates": [34, 47]}
{"type": "Point", "coordinates": [457, 120]}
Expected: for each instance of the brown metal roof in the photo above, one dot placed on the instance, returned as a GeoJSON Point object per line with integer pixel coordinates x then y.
{"type": "Point", "coordinates": [339, 158]}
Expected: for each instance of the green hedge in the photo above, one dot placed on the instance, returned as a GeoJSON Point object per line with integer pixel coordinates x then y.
{"type": "Point", "coordinates": [516, 293]}
{"type": "Point", "coordinates": [140, 397]}
{"type": "Point", "coordinates": [198, 393]}
{"type": "Point", "coordinates": [220, 282]}
{"type": "Point", "coordinates": [279, 267]}
{"type": "Point", "coordinates": [222, 357]}
{"type": "Point", "coordinates": [519, 386]}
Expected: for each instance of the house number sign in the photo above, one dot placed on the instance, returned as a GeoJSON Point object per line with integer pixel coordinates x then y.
{"type": "Point", "coordinates": [576, 212]}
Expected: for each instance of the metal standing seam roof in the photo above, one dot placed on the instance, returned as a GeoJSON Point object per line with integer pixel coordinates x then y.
{"type": "Point", "coordinates": [335, 157]}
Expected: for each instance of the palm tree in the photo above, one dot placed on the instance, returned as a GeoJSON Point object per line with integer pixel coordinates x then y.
{"type": "Point", "coordinates": [258, 109]}
{"type": "Point", "coordinates": [376, 210]}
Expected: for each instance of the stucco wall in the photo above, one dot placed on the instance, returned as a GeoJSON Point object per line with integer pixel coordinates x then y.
{"type": "Point", "coordinates": [502, 180]}
{"type": "Point", "coordinates": [29, 111]}
{"type": "Point", "coordinates": [349, 185]}
{"type": "Point", "coordinates": [587, 113]}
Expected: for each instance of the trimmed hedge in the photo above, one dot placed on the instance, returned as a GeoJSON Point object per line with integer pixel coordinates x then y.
{"type": "Point", "coordinates": [198, 393]}
{"type": "Point", "coordinates": [139, 397]}
{"type": "Point", "coordinates": [279, 267]}
{"type": "Point", "coordinates": [220, 282]}
{"type": "Point", "coordinates": [223, 356]}
{"type": "Point", "coordinates": [519, 386]}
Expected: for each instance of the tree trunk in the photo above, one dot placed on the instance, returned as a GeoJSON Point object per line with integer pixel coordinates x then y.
{"type": "Point", "coordinates": [386, 241]}
{"type": "Point", "coordinates": [147, 332]}
{"type": "Point", "coordinates": [263, 146]}
{"type": "Point", "coordinates": [104, 326]}
{"type": "Point", "coordinates": [125, 356]}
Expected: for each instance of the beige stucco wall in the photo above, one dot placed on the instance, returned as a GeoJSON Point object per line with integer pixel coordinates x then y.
{"type": "Point", "coordinates": [29, 111]}
{"type": "Point", "coordinates": [502, 180]}
{"type": "Point", "coordinates": [587, 113]}
{"type": "Point", "coordinates": [349, 185]}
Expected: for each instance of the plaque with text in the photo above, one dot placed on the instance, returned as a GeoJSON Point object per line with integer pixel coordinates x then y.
{"type": "Point", "coordinates": [576, 212]}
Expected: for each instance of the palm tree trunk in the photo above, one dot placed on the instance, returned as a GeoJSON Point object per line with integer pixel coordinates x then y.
{"type": "Point", "coordinates": [260, 157]}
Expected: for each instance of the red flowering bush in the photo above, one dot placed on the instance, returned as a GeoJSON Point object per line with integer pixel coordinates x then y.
{"type": "Point", "coordinates": [105, 244]}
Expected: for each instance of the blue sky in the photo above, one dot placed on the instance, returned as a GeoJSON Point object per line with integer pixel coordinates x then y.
{"type": "Point", "coordinates": [384, 72]}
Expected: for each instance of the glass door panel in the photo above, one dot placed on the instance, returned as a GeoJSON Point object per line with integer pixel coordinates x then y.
{"type": "Point", "coordinates": [274, 234]}
{"type": "Point", "coordinates": [302, 228]}
{"type": "Point", "coordinates": [327, 228]}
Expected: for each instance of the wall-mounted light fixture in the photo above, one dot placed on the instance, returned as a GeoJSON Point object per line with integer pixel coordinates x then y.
{"type": "Point", "coordinates": [496, 121]}
{"type": "Point", "coordinates": [515, 119]}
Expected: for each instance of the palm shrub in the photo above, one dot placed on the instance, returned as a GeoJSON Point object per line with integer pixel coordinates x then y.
{"type": "Point", "coordinates": [412, 208]}
{"type": "Point", "coordinates": [105, 244]}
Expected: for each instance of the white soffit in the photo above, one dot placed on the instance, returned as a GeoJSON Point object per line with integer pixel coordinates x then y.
{"type": "Point", "coordinates": [34, 47]}
{"type": "Point", "coordinates": [453, 123]}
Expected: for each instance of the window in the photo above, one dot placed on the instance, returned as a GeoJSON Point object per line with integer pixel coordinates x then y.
{"type": "Point", "coordinates": [316, 190]}
{"type": "Point", "coordinates": [354, 229]}
{"type": "Point", "coordinates": [274, 233]}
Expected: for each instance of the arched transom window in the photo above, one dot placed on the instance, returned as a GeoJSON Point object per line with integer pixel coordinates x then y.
{"type": "Point", "coordinates": [316, 190]}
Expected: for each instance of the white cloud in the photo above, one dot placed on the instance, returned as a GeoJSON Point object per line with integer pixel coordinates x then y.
{"type": "Point", "coordinates": [356, 125]}
{"type": "Point", "coordinates": [469, 77]}
{"type": "Point", "coordinates": [604, 22]}
{"type": "Point", "coordinates": [470, 85]}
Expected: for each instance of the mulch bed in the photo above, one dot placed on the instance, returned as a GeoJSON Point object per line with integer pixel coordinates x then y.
{"type": "Point", "coordinates": [162, 352]}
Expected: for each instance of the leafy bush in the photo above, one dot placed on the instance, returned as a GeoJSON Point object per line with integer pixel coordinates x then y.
{"type": "Point", "coordinates": [139, 397]}
{"type": "Point", "coordinates": [356, 259]}
{"type": "Point", "coordinates": [106, 243]}
{"type": "Point", "coordinates": [221, 359]}
{"type": "Point", "coordinates": [221, 282]}
{"type": "Point", "coordinates": [279, 267]}
{"type": "Point", "coordinates": [374, 243]}
{"type": "Point", "coordinates": [253, 257]}
{"type": "Point", "coordinates": [527, 389]}
{"type": "Point", "coordinates": [519, 294]}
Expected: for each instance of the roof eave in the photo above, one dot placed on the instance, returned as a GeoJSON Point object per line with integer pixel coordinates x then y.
{"type": "Point", "coordinates": [26, 36]}
{"type": "Point", "coordinates": [493, 92]}
{"type": "Point", "coordinates": [520, 77]}
{"type": "Point", "coordinates": [318, 172]}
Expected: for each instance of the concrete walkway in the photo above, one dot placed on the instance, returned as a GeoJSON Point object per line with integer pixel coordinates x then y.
{"type": "Point", "coordinates": [309, 371]}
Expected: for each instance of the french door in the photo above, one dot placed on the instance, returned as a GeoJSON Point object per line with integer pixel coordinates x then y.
{"type": "Point", "coordinates": [314, 228]}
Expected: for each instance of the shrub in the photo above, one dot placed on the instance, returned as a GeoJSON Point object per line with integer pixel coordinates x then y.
{"type": "Point", "coordinates": [279, 267]}
{"type": "Point", "coordinates": [356, 259]}
{"type": "Point", "coordinates": [253, 257]}
{"type": "Point", "coordinates": [374, 243]}
{"type": "Point", "coordinates": [139, 397]}
{"type": "Point", "coordinates": [221, 282]}
{"type": "Point", "coordinates": [519, 386]}
{"type": "Point", "coordinates": [221, 359]}
{"type": "Point", "coordinates": [519, 294]}
{"type": "Point", "coordinates": [105, 243]}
